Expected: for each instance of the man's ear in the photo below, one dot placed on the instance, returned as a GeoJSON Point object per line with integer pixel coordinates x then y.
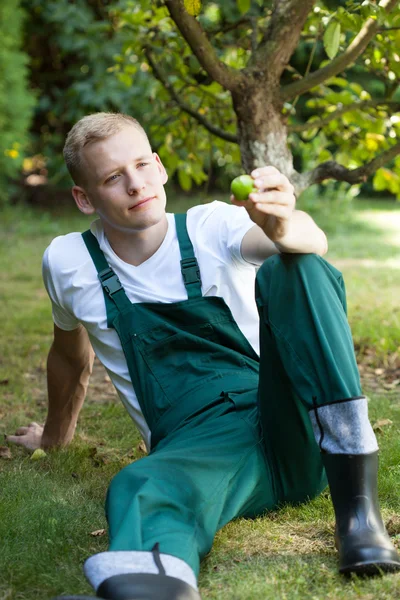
{"type": "Point", "coordinates": [82, 201]}
{"type": "Point", "coordinates": [161, 168]}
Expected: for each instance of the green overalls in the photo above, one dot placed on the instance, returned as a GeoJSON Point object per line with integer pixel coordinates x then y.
{"type": "Point", "coordinates": [230, 433]}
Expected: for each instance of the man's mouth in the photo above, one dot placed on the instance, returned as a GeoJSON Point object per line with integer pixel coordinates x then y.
{"type": "Point", "coordinates": [141, 202]}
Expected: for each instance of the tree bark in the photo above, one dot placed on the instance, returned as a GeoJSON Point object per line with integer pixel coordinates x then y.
{"type": "Point", "coordinates": [262, 132]}
{"type": "Point", "coordinates": [282, 35]}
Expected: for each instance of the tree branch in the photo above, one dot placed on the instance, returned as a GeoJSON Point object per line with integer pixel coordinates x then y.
{"type": "Point", "coordinates": [229, 137]}
{"type": "Point", "coordinates": [196, 38]}
{"type": "Point", "coordinates": [297, 128]}
{"type": "Point", "coordinates": [229, 26]}
{"type": "Point", "coordinates": [333, 170]}
{"type": "Point", "coordinates": [339, 64]}
{"type": "Point", "coordinates": [282, 35]}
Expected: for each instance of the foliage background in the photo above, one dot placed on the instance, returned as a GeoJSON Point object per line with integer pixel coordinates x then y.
{"type": "Point", "coordinates": [92, 55]}
{"type": "Point", "coordinates": [16, 98]}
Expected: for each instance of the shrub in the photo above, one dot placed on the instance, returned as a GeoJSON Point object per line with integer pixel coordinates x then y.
{"type": "Point", "coordinates": [16, 100]}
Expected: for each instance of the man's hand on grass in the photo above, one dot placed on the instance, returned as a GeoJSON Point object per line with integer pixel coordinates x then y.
{"type": "Point", "coordinates": [29, 437]}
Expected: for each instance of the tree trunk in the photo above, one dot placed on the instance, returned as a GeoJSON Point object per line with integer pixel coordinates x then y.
{"type": "Point", "coordinates": [256, 93]}
{"type": "Point", "coordinates": [262, 131]}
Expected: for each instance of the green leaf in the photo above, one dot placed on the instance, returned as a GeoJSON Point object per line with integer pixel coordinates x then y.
{"type": "Point", "coordinates": [332, 39]}
{"type": "Point", "coordinates": [324, 155]}
{"type": "Point", "coordinates": [385, 179]}
{"type": "Point", "coordinates": [185, 181]}
{"type": "Point", "coordinates": [243, 6]}
{"type": "Point", "coordinates": [38, 454]}
{"type": "Point", "coordinates": [125, 79]}
{"type": "Point", "coordinates": [339, 81]}
{"type": "Point", "coordinates": [347, 20]}
{"type": "Point", "coordinates": [356, 87]}
{"type": "Point", "coordinates": [193, 7]}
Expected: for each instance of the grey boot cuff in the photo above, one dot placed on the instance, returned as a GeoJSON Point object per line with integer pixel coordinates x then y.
{"type": "Point", "coordinates": [343, 427]}
{"type": "Point", "coordinates": [104, 565]}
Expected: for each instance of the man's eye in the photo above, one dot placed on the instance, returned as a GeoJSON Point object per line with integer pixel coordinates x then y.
{"type": "Point", "coordinates": [143, 164]}
{"type": "Point", "coordinates": [112, 178]}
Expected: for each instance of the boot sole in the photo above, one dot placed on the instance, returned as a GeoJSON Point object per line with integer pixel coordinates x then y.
{"type": "Point", "coordinates": [370, 569]}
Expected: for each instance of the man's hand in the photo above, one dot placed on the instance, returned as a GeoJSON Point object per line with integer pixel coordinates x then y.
{"type": "Point", "coordinates": [29, 437]}
{"type": "Point", "coordinates": [272, 207]}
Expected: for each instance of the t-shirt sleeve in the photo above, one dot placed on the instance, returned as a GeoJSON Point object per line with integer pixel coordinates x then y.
{"type": "Point", "coordinates": [63, 318]}
{"type": "Point", "coordinates": [233, 224]}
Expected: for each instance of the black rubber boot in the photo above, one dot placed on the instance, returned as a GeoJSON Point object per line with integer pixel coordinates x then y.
{"type": "Point", "coordinates": [146, 586]}
{"type": "Point", "coordinates": [361, 538]}
{"type": "Point", "coordinates": [141, 586]}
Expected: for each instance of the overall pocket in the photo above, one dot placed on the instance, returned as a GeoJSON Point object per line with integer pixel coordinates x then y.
{"type": "Point", "coordinates": [182, 361]}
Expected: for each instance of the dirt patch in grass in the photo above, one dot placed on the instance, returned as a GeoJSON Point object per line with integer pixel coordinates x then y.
{"type": "Point", "coordinates": [379, 373]}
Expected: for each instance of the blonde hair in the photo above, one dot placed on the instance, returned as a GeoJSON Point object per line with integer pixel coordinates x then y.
{"type": "Point", "coordinates": [92, 128]}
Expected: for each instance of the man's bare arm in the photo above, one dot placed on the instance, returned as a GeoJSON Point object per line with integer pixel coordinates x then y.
{"type": "Point", "coordinates": [69, 366]}
{"type": "Point", "coordinates": [303, 236]}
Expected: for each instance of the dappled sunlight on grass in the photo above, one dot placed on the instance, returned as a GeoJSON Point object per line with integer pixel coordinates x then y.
{"type": "Point", "coordinates": [386, 226]}
{"type": "Point", "coordinates": [364, 236]}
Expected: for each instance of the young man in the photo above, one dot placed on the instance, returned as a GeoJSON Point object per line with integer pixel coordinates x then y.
{"type": "Point", "coordinates": [233, 428]}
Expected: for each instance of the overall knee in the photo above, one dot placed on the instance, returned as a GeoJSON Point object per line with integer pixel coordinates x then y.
{"type": "Point", "coordinates": [289, 265]}
{"type": "Point", "coordinates": [284, 270]}
{"type": "Point", "coordinates": [295, 279]}
{"type": "Point", "coordinates": [125, 484]}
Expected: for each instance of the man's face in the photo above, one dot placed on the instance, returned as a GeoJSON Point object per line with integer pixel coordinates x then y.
{"type": "Point", "coordinates": [124, 182]}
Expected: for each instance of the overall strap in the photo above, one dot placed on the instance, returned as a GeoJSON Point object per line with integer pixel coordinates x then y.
{"type": "Point", "coordinates": [114, 293]}
{"type": "Point", "coordinates": [189, 265]}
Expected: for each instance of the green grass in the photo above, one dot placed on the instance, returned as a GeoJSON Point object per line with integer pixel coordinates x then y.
{"type": "Point", "coordinates": [364, 243]}
{"type": "Point", "coordinates": [50, 507]}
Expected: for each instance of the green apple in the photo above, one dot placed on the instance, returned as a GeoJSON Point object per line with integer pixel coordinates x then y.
{"type": "Point", "coordinates": [242, 186]}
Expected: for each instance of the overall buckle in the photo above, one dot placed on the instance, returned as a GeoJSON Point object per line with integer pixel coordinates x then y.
{"type": "Point", "coordinates": [109, 281]}
{"type": "Point", "coordinates": [190, 270]}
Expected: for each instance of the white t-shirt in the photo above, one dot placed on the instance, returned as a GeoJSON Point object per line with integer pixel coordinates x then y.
{"type": "Point", "coordinates": [216, 231]}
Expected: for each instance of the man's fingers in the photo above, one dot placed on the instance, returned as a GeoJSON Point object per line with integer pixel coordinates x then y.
{"type": "Point", "coordinates": [26, 436]}
{"type": "Point", "coordinates": [271, 179]}
{"type": "Point", "coordinates": [267, 170]}
{"type": "Point", "coordinates": [15, 439]}
{"type": "Point", "coordinates": [25, 430]}
{"type": "Point", "coordinates": [21, 431]}
{"type": "Point", "coordinates": [274, 197]}
{"type": "Point", "coordinates": [237, 202]}
{"type": "Point", "coordinates": [276, 210]}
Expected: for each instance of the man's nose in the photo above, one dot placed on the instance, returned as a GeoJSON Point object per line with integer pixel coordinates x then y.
{"type": "Point", "coordinates": [135, 182]}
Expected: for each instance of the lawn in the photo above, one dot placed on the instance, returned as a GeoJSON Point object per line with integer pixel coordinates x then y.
{"type": "Point", "coordinates": [51, 510]}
